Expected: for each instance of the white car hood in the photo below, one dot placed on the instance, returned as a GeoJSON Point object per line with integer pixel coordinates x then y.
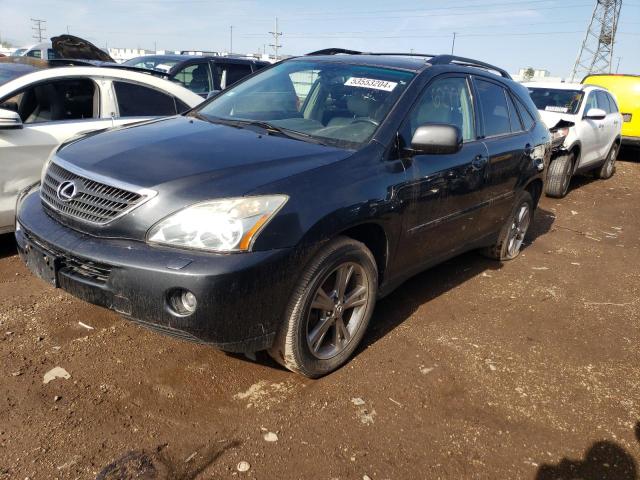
{"type": "Point", "coordinates": [551, 119]}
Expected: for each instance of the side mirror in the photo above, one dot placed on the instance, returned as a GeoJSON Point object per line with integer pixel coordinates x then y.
{"type": "Point", "coordinates": [9, 119]}
{"type": "Point", "coordinates": [596, 114]}
{"type": "Point", "coordinates": [434, 138]}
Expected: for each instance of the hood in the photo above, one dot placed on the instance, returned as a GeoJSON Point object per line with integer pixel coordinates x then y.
{"type": "Point", "coordinates": [551, 119]}
{"type": "Point", "coordinates": [76, 48]}
{"type": "Point", "coordinates": [186, 160]}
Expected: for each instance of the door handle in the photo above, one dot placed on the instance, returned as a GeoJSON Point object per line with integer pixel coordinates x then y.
{"type": "Point", "coordinates": [479, 162]}
{"type": "Point", "coordinates": [600, 126]}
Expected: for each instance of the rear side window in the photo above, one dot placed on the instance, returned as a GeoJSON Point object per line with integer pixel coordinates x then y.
{"type": "Point", "coordinates": [527, 120]}
{"type": "Point", "coordinates": [494, 108]}
{"type": "Point", "coordinates": [195, 77]}
{"type": "Point", "coordinates": [138, 101]}
{"type": "Point", "coordinates": [514, 118]}
{"type": "Point", "coordinates": [613, 103]}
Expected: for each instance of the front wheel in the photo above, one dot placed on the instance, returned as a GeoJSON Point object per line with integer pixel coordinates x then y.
{"type": "Point", "coordinates": [559, 175]}
{"type": "Point", "coordinates": [329, 310]}
{"type": "Point", "coordinates": [514, 231]}
{"type": "Point", "coordinates": [609, 167]}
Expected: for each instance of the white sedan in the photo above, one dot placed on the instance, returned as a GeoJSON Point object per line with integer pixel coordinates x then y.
{"type": "Point", "coordinates": [592, 143]}
{"type": "Point", "coordinates": [42, 106]}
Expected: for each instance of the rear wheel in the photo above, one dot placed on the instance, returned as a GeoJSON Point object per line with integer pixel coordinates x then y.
{"type": "Point", "coordinates": [559, 175]}
{"type": "Point", "coordinates": [329, 310]}
{"type": "Point", "coordinates": [609, 167]}
{"type": "Point", "coordinates": [514, 231]}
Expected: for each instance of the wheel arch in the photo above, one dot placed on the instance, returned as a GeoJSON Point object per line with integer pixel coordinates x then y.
{"type": "Point", "coordinates": [535, 188]}
{"type": "Point", "coordinates": [375, 238]}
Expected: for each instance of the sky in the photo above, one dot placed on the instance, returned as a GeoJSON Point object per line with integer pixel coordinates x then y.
{"type": "Point", "coordinates": [544, 34]}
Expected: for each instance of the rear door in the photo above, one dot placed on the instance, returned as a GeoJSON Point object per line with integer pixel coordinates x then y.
{"type": "Point", "coordinates": [508, 145]}
{"type": "Point", "coordinates": [446, 188]}
{"type": "Point", "coordinates": [611, 122]}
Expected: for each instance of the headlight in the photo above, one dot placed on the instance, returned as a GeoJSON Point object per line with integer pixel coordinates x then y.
{"type": "Point", "coordinates": [227, 225]}
{"type": "Point", "coordinates": [560, 133]}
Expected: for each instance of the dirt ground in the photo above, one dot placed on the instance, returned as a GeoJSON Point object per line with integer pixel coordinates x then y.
{"type": "Point", "coordinates": [530, 369]}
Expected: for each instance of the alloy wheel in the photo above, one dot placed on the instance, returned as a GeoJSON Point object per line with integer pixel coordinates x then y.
{"type": "Point", "coordinates": [519, 229]}
{"type": "Point", "coordinates": [337, 310]}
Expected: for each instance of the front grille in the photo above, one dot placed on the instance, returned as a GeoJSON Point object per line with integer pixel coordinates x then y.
{"type": "Point", "coordinates": [93, 202]}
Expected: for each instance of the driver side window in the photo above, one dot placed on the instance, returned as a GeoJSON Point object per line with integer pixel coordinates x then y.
{"type": "Point", "coordinates": [68, 99]}
{"type": "Point", "coordinates": [448, 101]}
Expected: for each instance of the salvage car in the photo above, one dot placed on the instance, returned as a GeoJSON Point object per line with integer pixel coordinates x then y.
{"type": "Point", "coordinates": [273, 216]}
{"type": "Point", "coordinates": [204, 75]}
{"type": "Point", "coordinates": [590, 140]}
{"type": "Point", "coordinates": [42, 105]}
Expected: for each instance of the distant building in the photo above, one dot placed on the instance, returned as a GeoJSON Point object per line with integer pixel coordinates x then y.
{"type": "Point", "coordinates": [529, 74]}
{"type": "Point", "coordinates": [123, 54]}
{"type": "Point", "coordinates": [6, 50]}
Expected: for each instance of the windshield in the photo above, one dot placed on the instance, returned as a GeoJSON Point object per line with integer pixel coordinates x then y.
{"type": "Point", "coordinates": [152, 63]}
{"type": "Point", "coordinates": [556, 100]}
{"type": "Point", "coordinates": [335, 102]}
{"type": "Point", "coordinates": [19, 52]}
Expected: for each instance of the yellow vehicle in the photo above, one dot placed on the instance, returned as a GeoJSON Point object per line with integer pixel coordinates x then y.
{"type": "Point", "coordinates": [626, 89]}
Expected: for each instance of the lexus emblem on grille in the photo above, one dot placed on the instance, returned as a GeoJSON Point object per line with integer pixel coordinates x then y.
{"type": "Point", "coordinates": [67, 191]}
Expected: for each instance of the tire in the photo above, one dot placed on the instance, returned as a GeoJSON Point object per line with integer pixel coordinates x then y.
{"type": "Point", "coordinates": [608, 168]}
{"type": "Point", "coordinates": [317, 306]}
{"type": "Point", "coordinates": [559, 176]}
{"type": "Point", "coordinates": [514, 231]}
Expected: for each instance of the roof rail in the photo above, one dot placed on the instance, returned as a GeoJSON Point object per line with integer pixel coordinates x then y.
{"type": "Point", "coordinates": [467, 62]}
{"type": "Point", "coordinates": [334, 51]}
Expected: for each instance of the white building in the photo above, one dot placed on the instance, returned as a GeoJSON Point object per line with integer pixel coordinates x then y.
{"type": "Point", "coordinates": [529, 74]}
{"type": "Point", "coordinates": [123, 54]}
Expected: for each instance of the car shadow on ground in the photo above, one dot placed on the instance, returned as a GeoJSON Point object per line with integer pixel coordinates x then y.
{"type": "Point", "coordinates": [405, 300]}
{"type": "Point", "coordinates": [7, 245]}
{"type": "Point", "coordinates": [604, 460]}
{"type": "Point", "coordinates": [398, 306]}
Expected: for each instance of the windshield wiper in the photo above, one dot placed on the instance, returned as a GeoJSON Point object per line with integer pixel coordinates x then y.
{"type": "Point", "coordinates": [269, 127]}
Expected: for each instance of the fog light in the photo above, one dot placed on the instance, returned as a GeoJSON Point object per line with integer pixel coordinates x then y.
{"type": "Point", "coordinates": [182, 302]}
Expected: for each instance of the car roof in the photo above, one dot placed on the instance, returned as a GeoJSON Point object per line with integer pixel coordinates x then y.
{"type": "Point", "coordinates": [404, 62]}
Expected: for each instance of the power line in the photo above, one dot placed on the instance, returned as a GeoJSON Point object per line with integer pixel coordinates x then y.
{"type": "Point", "coordinates": [38, 28]}
{"type": "Point", "coordinates": [276, 35]}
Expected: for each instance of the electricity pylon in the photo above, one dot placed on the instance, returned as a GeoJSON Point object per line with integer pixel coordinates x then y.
{"type": "Point", "coordinates": [596, 52]}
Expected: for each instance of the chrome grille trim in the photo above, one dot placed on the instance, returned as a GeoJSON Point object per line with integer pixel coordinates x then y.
{"type": "Point", "coordinates": [100, 200]}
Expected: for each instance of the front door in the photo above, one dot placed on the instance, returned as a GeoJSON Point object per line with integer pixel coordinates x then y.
{"type": "Point", "coordinates": [447, 189]}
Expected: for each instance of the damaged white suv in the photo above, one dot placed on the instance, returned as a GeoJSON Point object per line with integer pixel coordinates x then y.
{"type": "Point", "coordinates": [586, 125]}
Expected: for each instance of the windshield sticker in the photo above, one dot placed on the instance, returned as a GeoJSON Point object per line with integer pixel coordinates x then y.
{"type": "Point", "coordinates": [371, 83]}
{"type": "Point", "coordinates": [554, 108]}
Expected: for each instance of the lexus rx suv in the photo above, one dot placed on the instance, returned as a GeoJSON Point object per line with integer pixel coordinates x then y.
{"type": "Point", "coordinates": [274, 216]}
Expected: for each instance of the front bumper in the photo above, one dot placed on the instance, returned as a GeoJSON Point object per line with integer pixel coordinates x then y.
{"type": "Point", "coordinates": [241, 297]}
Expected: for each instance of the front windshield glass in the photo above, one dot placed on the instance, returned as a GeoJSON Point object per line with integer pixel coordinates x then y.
{"type": "Point", "coordinates": [556, 100]}
{"type": "Point", "coordinates": [19, 52]}
{"type": "Point", "coordinates": [333, 102]}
